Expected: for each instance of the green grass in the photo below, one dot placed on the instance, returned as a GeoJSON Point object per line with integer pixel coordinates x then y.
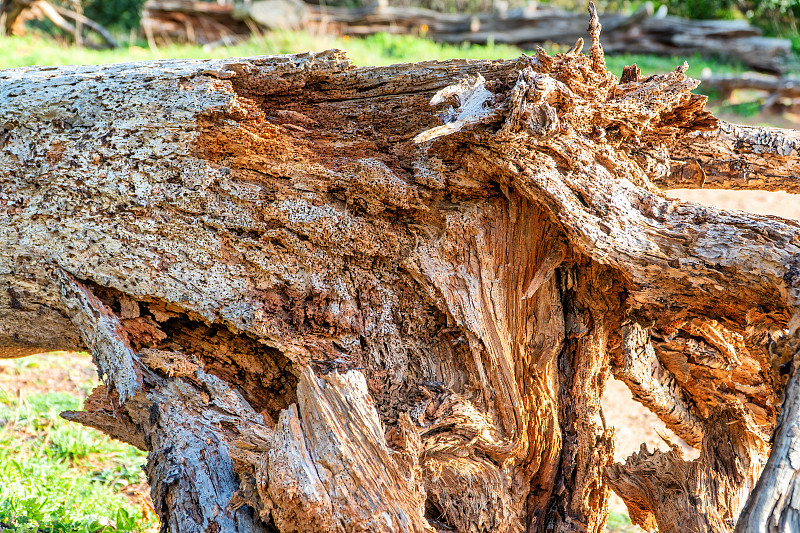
{"type": "Point", "coordinates": [58, 476]}
{"type": "Point", "coordinates": [621, 523]}
{"type": "Point", "coordinates": [381, 49]}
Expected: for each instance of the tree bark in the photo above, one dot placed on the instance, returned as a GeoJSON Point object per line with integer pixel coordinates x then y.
{"type": "Point", "coordinates": [773, 505]}
{"type": "Point", "coordinates": [736, 157]}
{"type": "Point", "coordinates": [318, 308]}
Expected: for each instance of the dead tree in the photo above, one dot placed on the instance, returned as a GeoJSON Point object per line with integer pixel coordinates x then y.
{"type": "Point", "coordinates": [165, 21]}
{"type": "Point", "coordinates": [15, 13]}
{"type": "Point", "coordinates": [329, 298]}
{"type": "Point", "coordinates": [776, 90]}
{"type": "Point", "coordinates": [639, 33]}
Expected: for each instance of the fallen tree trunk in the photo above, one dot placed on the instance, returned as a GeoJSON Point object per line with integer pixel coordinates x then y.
{"type": "Point", "coordinates": [640, 32]}
{"type": "Point", "coordinates": [779, 91]}
{"type": "Point", "coordinates": [320, 308]}
{"type": "Point", "coordinates": [776, 87]}
{"type": "Point", "coordinates": [735, 157]}
{"type": "Point", "coordinates": [166, 21]}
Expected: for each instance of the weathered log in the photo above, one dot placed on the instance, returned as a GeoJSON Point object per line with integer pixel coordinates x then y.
{"type": "Point", "coordinates": [666, 492]}
{"type": "Point", "coordinates": [165, 21]}
{"type": "Point", "coordinates": [202, 22]}
{"type": "Point", "coordinates": [727, 38]}
{"type": "Point", "coordinates": [528, 27]}
{"type": "Point", "coordinates": [735, 157]}
{"type": "Point", "coordinates": [331, 311]}
{"type": "Point", "coordinates": [776, 87]}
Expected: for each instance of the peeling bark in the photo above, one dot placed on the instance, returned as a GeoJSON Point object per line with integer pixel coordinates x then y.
{"type": "Point", "coordinates": [342, 314]}
{"type": "Point", "coordinates": [189, 464]}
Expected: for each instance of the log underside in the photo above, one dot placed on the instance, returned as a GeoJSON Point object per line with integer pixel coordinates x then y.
{"type": "Point", "coordinates": [320, 309]}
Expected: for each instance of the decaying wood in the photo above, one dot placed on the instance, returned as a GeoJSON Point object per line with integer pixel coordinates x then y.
{"type": "Point", "coordinates": [735, 157]}
{"type": "Point", "coordinates": [189, 465]}
{"type": "Point", "coordinates": [364, 485]}
{"type": "Point", "coordinates": [773, 506]}
{"type": "Point", "coordinates": [734, 39]}
{"type": "Point", "coordinates": [656, 387]}
{"type": "Point", "coordinates": [165, 21]}
{"type": "Point", "coordinates": [664, 491]}
{"type": "Point", "coordinates": [336, 298]}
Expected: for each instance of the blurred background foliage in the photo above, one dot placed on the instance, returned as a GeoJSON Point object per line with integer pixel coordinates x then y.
{"type": "Point", "coordinates": [775, 17]}
{"type": "Point", "coordinates": [116, 15]}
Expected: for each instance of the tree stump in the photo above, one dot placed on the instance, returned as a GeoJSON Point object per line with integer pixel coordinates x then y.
{"type": "Point", "coordinates": [329, 298]}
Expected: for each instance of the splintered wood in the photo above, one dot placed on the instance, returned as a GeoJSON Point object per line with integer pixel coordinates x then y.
{"type": "Point", "coordinates": [329, 298]}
